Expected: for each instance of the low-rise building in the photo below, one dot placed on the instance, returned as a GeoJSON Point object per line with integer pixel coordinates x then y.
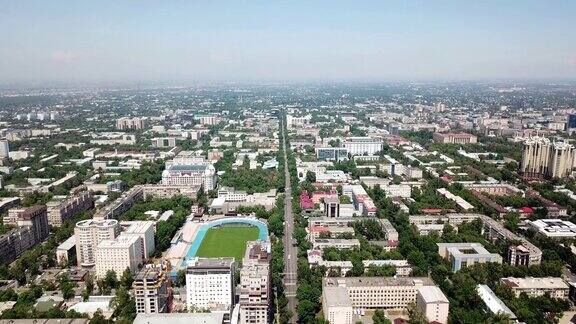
{"type": "Point", "coordinates": [462, 255]}
{"type": "Point", "coordinates": [534, 287]}
{"type": "Point", "coordinates": [433, 304]}
{"type": "Point", "coordinates": [554, 228]}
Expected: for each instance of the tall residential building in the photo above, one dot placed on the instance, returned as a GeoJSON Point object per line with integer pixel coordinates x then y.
{"type": "Point", "coordinates": [89, 233]}
{"type": "Point", "coordinates": [36, 218]}
{"type": "Point", "coordinates": [551, 159]}
{"type": "Point", "coordinates": [60, 210]}
{"type": "Point", "coordinates": [363, 145]}
{"type": "Point", "coordinates": [255, 284]}
{"type": "Point", "coordinates": [151, 291]}
{"type": "Point", "coordinates": [145, 230]}
{"type": "Point", "coordinates": [32, 229]}
{"type": "Point", "coordinates": [190, 172]}
{"type": "Point", "coordinates": [4, 149]}
{"type": "Point", "coordinates": [130, 123]}
{"type": "Point", "coordinates": [124, 252]}
{"type": "Point", "coordinates": [210, 284]}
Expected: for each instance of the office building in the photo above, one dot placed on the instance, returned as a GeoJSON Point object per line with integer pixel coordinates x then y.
{"type": "Point", "coordinates": [455, 138]}
{"type": "Point", "coordinates": [151, 294]}
{"type": "Point", "coordinates": [255, 284]}
{"type": "Point", "coordinates": [89, 233]}
{"type": "Point", "coordinates": [540, 157]}
{"type": "Point", "coordinates": [535, 287]}
{"type": "Point", "coordinates": [433, 304]}
{"type": "Point", "coordinates": [363, 145]}
{"type": "Point", "coordinates": [571, 122]}
{"type": "Point", "coordinates": [145, 230]}
{"type": "Point", "coordinates": [210, 284]}
{"type": "Point", "coordinates": [331, 153]}
{"type": "Point", "coordinates": [371, 293]}
{"type": "Point", "coordinates": [124, 252]}
{"type": "Point", "coordinates": [462, 255]}
{"type": "Point", "coordinates": [130, 123]}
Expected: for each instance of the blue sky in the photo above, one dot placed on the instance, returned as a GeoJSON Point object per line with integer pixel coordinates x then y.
{"type": "Point", "coordinates": [313, 40]}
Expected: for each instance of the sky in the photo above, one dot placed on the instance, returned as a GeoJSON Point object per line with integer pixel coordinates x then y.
{"type": "Point", "coordinates": [275, 40]}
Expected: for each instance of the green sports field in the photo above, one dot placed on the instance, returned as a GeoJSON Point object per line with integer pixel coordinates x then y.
{"type": "Point", "coordinates": [227, 242]}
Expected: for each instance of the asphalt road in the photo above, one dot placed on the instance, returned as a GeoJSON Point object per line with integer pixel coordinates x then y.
{"type": "Point", "coordinates": [290, 252]}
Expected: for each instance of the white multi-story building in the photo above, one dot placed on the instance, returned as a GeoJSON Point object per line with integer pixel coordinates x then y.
{"type": "Point", "coordinates": [150, 291]}
{"type": "Point", "coordinates": [130, 123]}
{"type": "Point", "coordinates": [4, 149]}
{"type": "Point", "coordinates": [145, 230]}
{"type": "Point", "coordinates": [341, 295]}
{"type": "Point", "coordinates": [255, 284]}
{"type": "Point", "coordinates": [363, 145]}
{"type": "Point", "coordinates": [210, 284]}
{"type": "Point", "coordinates": [535, 287]}
{"type": "Point", "coordinates": [542, 157]}
{"type": "Point", "coordinates": [336, 305]}
{"type": "Point", "coordinates": [124, 252]}
{"type": "Point", "coordinates": [190, 172]}
{"type": "Point", "coordinates": [433, 304]}
{"type": "Point", "coordinates": [554, 228]}
{"type": "Point", "coordinates": [89, 233]}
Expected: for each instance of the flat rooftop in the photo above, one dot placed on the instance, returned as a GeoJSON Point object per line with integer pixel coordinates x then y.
{"type": "Point", "coordinates": [376, 281]}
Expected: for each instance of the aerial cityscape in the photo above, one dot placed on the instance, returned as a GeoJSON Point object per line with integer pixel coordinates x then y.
{"type": "Point", "coordinates": [259, 170]}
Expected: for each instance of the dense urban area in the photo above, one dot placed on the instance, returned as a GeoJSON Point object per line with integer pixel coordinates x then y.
{"type": "Point", "coordinates": [305, 203]}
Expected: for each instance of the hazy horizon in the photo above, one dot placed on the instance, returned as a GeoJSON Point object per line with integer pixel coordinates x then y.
{"type": "Point", "coordinates": [317, 41]}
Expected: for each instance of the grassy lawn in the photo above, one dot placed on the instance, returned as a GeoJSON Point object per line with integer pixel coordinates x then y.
{"type": "Point", "coordinates": [227, 242]}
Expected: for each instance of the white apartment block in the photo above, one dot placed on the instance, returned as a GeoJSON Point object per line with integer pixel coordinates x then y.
{"type": "Point", "coordinates": [124, 252]}
{"type": "Point", "coordinates": [145, 230]}
{"type": "Point", "coordinates": [210, 284]}
{"type": "Point", "coordinates": [89, 233]}
{"type": "Point", "coordinates": [534, 287]}
{"type": "Point", "coordinates": [4, 149]}
{"type": "Point", "coordinates": [542, 157]}
{"type": "Point", "coordinates": [363, 145]}
{"type": "Point", "coordinates": [255, 284]}
{"type": "Point", "coordinates": [130, 123]}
